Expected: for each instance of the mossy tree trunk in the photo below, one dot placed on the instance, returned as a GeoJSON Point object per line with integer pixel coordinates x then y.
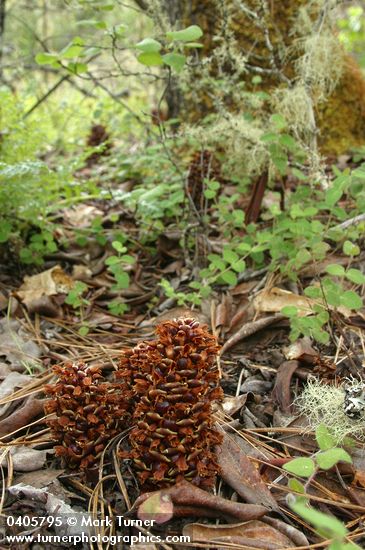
{"type": "Point", "coordinates": [2, 28]}
{"type": "Point", "coordinates": [268, 39]}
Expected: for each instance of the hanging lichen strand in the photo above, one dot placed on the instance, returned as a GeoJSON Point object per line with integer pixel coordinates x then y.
{"type": "Point", "coordinates": [175, 380]}
{"type": "Point", "coordinates": [89, 411]}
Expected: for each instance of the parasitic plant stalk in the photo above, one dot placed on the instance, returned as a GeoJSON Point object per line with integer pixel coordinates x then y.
{"type": "Point", "coordinates": [174, 381]}
{"type": "Point", "coordinates": [88, 412]}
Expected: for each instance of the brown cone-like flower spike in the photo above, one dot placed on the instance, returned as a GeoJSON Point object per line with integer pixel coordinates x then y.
{"type": "Point", "coordinates": [203, 166]}
{"type": "Point", "coordinates": [89, 412]}
{"type": "Point", "coordinates": [174, 380]}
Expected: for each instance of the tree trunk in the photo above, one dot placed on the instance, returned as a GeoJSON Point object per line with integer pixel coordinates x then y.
{"type": "Point", "coordinates": [269, 39]}
{"type": "Point", "coordinates": [2, 29]}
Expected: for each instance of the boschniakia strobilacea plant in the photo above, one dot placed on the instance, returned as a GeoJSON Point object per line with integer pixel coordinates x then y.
{"type": "Point", "coordinates": [174, 380]}
{"type": "Point", "coordinates": [89, 412]}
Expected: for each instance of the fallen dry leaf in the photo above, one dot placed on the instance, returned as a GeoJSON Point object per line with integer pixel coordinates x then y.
{"type": "Point", "coordinates": [301, 350]}
{"type": "Point", "coordinates": [4, 370]}
{"type": "Point", "coordinates": [44, 478]}
{"type": "Point", "coordinates": [291, 532]}
{"type": "Point", "coordinates": [22, 416]}
{"type": "Point", "coordinates": [37, 291]}
{"type": "Point", "coordinates": [275, 299]}
{"type": "Point", "coordinates": [224, 311]}
{"type": "Point", "coordinates": [238, 471]}
{"type": "Point", "coordinates": [26, 459]}
{"type": "Point", "coordinates": [81, 272]}
{"type": "Point", "coordinates": [359, 478]}
{"type": "Point", "coordinates": [281, 391]}
{"type": "Point", "coordinates": [250, 328]}
{"type": "Point", "coordinates": [253, 533]}
{"type": "Point", "coordinates": [17, 346]}
{"type": "Point", "coordinates": [317, 268]}
{"type": "Point", "coordinates": [190, 500]}
{"type": "Point", "coordinates": [13, 381]}
{"type": "Point", "coordinates": [81, 215]}
{"type": "Point", "coordinates": [241, 316]}
{"type": "Point", "coordinates": [53, 506]}
{"type": "Point", "coordinates": [231, 405]}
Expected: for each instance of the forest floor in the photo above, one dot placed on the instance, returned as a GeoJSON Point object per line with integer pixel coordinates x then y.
{"type": "Point", "coordinates": [261, 374]}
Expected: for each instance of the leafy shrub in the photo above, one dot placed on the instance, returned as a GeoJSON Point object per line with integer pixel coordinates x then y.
{"type": "Point", "coordinates": [327, 526]}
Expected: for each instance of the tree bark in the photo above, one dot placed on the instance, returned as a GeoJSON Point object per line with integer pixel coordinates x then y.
{"type": "Point", "coordinates": [2, 29]}
{"type": "Point", "coordinates": [268, 34]}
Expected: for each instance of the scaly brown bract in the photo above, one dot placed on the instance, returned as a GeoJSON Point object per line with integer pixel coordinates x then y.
{"type": "Point", "coordinates": [89, 412]}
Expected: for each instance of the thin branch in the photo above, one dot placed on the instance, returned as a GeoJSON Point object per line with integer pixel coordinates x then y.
{"type": "Point", "coordinates": [46, 95]}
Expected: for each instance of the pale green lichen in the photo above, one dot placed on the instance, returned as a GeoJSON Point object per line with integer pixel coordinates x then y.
{"type": "Point", "coordinates": [321, 66]}
{"type": "Point", "coordinates": [324, 404]}
{"type": "Point", "coordinates": [242, 141]}
{"type": "Point", "coordinates": [294, 104]}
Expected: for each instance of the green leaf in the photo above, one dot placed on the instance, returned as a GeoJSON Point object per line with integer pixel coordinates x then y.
{"type": "Point", "coordinates": [230, 256]}
{"type": "Point", "coordinates": [229, 277]}
{"type": "Point", "coordinates": [328, 525]}
{"type": "Point", "coordinates": [313, 292]}
{"type": "Point", "coordinates": [281, 164]}
{"type": "Point", "coordinates": [289, 311]}
{"type": "Point", "coordinates": [288, 141]}
{"type": "Point", "coordinates": [122, 279]}
{"type": "Point", "coordinates": [209, 193]}
{"type": "Point", "coordinates": [174, 60]}
{"type": "Point", "coordinates": [46, 58]}
{"type": "Point", "coordinates": [303, 256]}
{"type": "Point", "coordinates": [84, 330]}
{"type": "Point", "coordinates": [152, 59]}
{"type": "Point", "coordinates": [333, 195]}
{"type": "Point", "coordinates": [279, 121]}
{"type": "Point", "coordinates": [324, 439]}
{"type": "Point", "coordinates": [74, 49]}
{"type": "Point", "coordinates": [119, 30]}
{"type": "Point", "coordinates": [299, 174]}
{"type": "Point", "coordinates": [239, 266]}
{"type": "Point", "coordinates": [149, 45]}
{"type": "Point", "coordinates": [351, 300]}
{"type": "Point", "coordinates": [355, 276]}
{"type": "Point", "coordinates": [244, 247]}
{"type": "Point", "coordinates": [217, 261]}
{"type": "Point", "coordinates": [212, 184]}
{"type": "Point", "coordinates": [119, 247]}
{"type": "Point", "coordinates": [77, 68]}
{"type": "Point", "coordinates": [127, 258]}
{"type": "Point", "coordinates": [303, 467]}
{"type": "Point", "coordinates": [295, 485]}
{"type": "Point", "coordinates": [5, 230]}
{"type": "Point", "coordinates": [112, 260]}
{"type": "Point", "coordinates": [359, 172]}
{"type": "Point", "coordinates": [327, 459]}
{"type": "Point", "coordinates": [106, 7]}
{"type": "Point", "coordinates": [185, 35]}
{"type": "Point", "coordinates": [336, 270]}
{"type": "Point", "coordinates": [351, 249]}
{"type": "Point", "coordinates": [92, 23]}
{"type": "Point", "coordinates": [270, 137]}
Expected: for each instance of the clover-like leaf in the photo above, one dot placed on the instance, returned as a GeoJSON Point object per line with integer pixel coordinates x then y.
{"type": "Point", "coordinates": [302, 467]}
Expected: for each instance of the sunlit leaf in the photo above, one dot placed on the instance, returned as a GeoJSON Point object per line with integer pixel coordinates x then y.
{"type": "Point", "coordinates": [185, 35]}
